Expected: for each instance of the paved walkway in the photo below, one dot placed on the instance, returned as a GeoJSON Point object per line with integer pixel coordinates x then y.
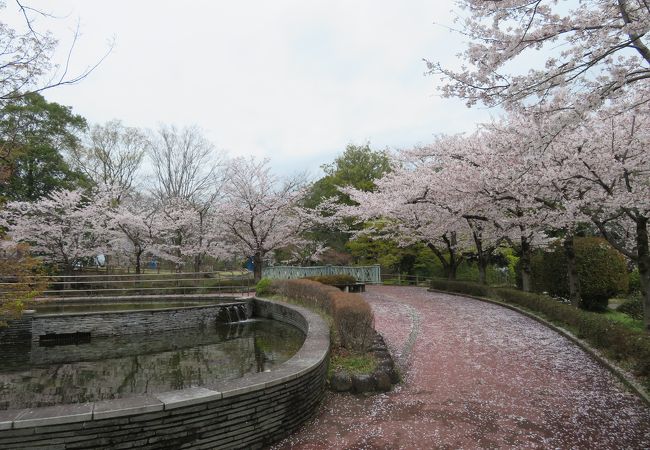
{"type": "Point", "coordinates": [478, 376]}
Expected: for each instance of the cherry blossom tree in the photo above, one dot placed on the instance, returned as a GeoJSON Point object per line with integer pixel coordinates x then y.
{"type": "Point", "coordinates": [456, 168]}
{"type": "Point", "coordinates": [570, 65]}
{"type": "Point", "coordinates": [412, 207]}
{"type": "Point", "coordinates": [583, 166]}
{"type": "Point", "coordinates": [259, 212]}
{"type": "Point", "coordinates": [65, 229]}
{"type": "Point", "coordinates": [509, 168]}
{"type": "Point", "coordinates": [592, 48]}
{"type": "Point", "coordinates": [135, 230]}
{"type": "Point", "coordinates": [603, 167]}
{"type": "Point", "coordinates": [185, 234]}
{"type": "Point", "coordinates": [464, 194]}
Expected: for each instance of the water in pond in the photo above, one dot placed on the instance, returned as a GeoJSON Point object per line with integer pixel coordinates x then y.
{"type": "Point", "coordinates": [61, 307]}
{"type": "Point", "coordinates": [113, 367]}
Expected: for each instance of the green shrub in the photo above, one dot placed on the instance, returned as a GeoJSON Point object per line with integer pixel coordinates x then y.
{"type": "Point", "coordinates": [263, 287]}
{"type": "Point", "coordinates": [635, 281]}
{"type": "Point", "coordinates": [553, 309]}
{"type": "Point", "coordinates": [633, 307]}
{"type": "Point", "coordinates": [333, 280]}
{"type": "Point", "coordinates": [602, 272]}
{"type": "Point", "coordinates": [353, 364]}
{"type": "Point", "coordinates": [351, 315]}
{"type": "Point", "coordinates": [549, 272]}
{"type": "Point", "coordinates": [462, 287]}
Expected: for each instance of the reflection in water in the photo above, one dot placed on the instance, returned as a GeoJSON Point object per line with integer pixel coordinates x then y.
{"type": "Point", "coordinates": [113, 367]}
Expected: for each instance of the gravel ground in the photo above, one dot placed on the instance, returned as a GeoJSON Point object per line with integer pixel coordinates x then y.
{"type": "Point", "coordinates": [477, 376]}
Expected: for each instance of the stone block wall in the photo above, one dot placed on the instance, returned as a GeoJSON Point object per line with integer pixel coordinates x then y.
{"type": "Point", "coordinates": [116, 323]}
{"type": "Point", "coordinates": [17, 330]}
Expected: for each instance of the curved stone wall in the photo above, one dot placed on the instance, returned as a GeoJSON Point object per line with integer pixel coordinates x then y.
{"type": "Point", "coordinates": [247, 413]}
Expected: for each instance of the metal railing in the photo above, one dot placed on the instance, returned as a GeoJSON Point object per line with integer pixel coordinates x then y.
{"type": "Point", "coordinates": [405, 279]}
{"type": "Point", "coordinates": [363, 274]}
{"type": "Point", "coordinates": [419, 280]}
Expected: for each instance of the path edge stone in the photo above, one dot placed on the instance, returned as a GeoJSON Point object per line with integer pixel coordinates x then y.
{"type": "Point", "coordinates": [632, 384]}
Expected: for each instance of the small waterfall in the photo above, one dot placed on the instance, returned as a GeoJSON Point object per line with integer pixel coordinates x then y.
{"type": "Point", "coordinates": [232, 313]}
{"type": "Point", "coordinates": [241, 312]}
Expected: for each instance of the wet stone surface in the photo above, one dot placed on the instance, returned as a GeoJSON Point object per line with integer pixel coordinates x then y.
{"type": "Point", "coordinates": [478, 375]}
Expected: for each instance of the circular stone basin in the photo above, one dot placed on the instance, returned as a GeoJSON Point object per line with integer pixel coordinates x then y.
{"type": "Point", "coordinates": [40, 374]}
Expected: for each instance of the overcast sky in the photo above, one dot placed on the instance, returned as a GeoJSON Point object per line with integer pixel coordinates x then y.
{"type": "Point", "coordinates": [291, 80]}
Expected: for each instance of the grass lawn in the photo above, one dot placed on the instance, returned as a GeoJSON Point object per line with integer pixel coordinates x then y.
{"type": "Point", "coordinates": [354, 364]}
{"type": "Point", "coordinates": [633, 324]}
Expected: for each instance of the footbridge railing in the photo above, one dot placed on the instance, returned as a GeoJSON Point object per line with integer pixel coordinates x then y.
{"type": "Point", "coordinates": [363, 274]}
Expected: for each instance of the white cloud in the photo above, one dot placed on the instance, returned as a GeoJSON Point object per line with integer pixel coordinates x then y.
{"type": "Point", "coordinates": [292, 80]}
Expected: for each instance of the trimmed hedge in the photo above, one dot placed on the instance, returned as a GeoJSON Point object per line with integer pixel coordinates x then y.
{"type": "Point", "coordinates": [463, 287]}
{"type": "Point", "coordinates": [333, 280]}
{"type": "Point", "coordinates": [618, 341]}
{"type": "Point", "coordinates": [351, 315]}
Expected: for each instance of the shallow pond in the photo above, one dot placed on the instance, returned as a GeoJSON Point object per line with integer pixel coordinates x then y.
{"type": "Point", "coordinates": [114, 367]}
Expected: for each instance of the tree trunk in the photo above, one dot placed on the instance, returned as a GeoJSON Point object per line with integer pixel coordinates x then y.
{"type": "Point", "coordinates": [138, 263]}
{"type": "Point", "coordinates": [572, 270]}
{"type": "Point", "coordinates": [454, 259]}
{"type": "Point", "coordinates": [643, 255]}
{"type": "Point", "coordinates": [68, 273]}
{"type": "Point", "coordinates": [525, 262]}
{"type": "Point", "coordinates": [482, 260]}
{"type": "Point", "coordinates": [198, 258]}
{"type": "Point", "coordinates": [645, 293]}
{"type": "Point", "coordinates": [482, 272]}
{"type": "Point", "coordinates": [450, 266]}
{"type": "Point", "coordinates": [452, 269]}
{"type": "Point", "coordinates": [257, 267]}
{"type": "Point", "coordinates": [179, 242]}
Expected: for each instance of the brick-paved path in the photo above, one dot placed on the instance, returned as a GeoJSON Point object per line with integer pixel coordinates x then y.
{"type": "Point", "coordinates": [478, 376]}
